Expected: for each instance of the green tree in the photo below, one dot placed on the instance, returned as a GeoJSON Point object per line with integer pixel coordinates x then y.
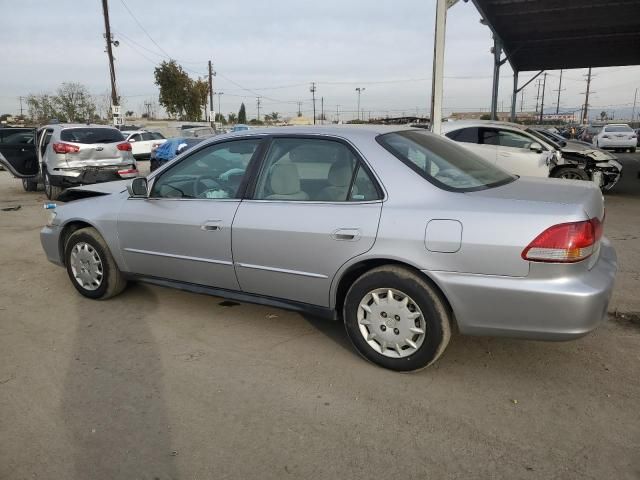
{"type": "Point", "coordinates": [273, 117]}
{"type": "Point", "coordinates": [220, 118]}
{"type": "Point", "coordinates": [179, 94]}
{"type": "Point", "coordinates": [231, 118]}
{"type": "Point", "coordinates": [485, 116]}
{"type": "Point", "coordinates": [242, 114]}
{"type": "Point", "coordinates": [129, 113]}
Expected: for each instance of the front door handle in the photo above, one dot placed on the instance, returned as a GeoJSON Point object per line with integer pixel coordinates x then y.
{"type": "Point", "coordinates": [346, 234]}
{"type": "Point", "coordinates": [211, 226]}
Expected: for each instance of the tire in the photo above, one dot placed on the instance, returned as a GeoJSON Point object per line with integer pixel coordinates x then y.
{"type": "Point", "coordinates": [51, 191]}
{"type": "Point", "coordinates": [632, 149]}
{"type": "Point", "coordinates": [388, 348]}
{"type": "Point", "coordinates": [29, 185]}
{"type": "Point", "coordinates": [570, 173]}
{"type": "Point", "coordinates": [84, 246]}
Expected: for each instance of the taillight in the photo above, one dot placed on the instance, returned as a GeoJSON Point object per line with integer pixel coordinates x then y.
{"type": "Point", "coordinates": [565, 243]}
{"type": "Point", "coordinates": [65, 148]}
{"type": "Point", "coordinates": [128, 173]}
{"type": "Point", "coordinates": [124, 147]}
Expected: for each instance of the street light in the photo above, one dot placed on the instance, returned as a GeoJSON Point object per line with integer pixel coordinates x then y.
{"type": "Point", "coordinates": [359, 90]}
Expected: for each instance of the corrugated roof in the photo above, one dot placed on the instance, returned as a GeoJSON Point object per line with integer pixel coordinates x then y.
{"type": "Point", "coordinates": [555, 34]}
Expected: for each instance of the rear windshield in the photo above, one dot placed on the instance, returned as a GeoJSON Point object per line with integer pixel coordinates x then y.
{"type": "Point", "coordinates": [618, 128]}
{"type": "Point", "coordinates": [91, 135]}
{"type": "Point", "coordinates": [443, 162]}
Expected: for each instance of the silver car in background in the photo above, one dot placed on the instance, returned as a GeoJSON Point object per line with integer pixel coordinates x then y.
{"type": "Point", "coordinates": [68, 155]}
{"type": "Point", "coordinates": [399, 233]}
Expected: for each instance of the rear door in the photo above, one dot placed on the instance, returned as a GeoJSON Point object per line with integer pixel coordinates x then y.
{"type": "Point", "coordinates": [18, 151]}
{"type": "Point", "coordinates": [473, 138]}
{"type": "Point", "coordinates": [314, 206]}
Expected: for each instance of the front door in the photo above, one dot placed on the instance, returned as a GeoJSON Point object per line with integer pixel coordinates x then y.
{"type": "Point", "coordinates": [18, 151]}
{"type": "Point", "coordinates": [315, 206]}
{"type": "Point", "coordinates": [182, 231]}
{"type": "Point", "coordinates": [515, 155]}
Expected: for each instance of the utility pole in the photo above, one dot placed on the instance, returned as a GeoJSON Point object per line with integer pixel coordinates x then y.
{"type": "Point", "coordinates": [212, 115]}
{"type": "Point", "coordinates": [20, 98]}
{"type": "Point", "coordinates": [544, 85]}
{"type": "Point", "coordinates": [312, 89]}
{"type": "Point", "coordinates": [521, 99]}
{"type": "Point", "coordinates": [538, 96]}
{"type": "Point", "coordinates": [322, 110]}
{"type": "Point", "coordinates": [633, 111]}
{"type": "Point", "coordinates": [585, 112]}
{"type": "Point", "coordinates": [337, 113]}
{"type": "Point", "coordinates": [112, 71]}
{"type": "Point", "coordinates": [359, 90]}
{"type": "Point", "coordinates": [299, 109]}
{"type": "Point", "coordinates": [258, 105]}
{"type": "Point", "coordinates": [559, 90]}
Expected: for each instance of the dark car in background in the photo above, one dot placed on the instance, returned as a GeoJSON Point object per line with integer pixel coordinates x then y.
{"type": "Point", "coordinates": [589, 132]}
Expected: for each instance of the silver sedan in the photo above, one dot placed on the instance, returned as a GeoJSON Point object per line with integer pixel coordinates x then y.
{"type": "Point", "coordinates": [400, 234]}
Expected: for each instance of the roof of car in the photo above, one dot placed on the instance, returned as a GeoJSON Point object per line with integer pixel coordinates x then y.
{"type": "Point", "coordinates": [337, 130]}
{"type": "Point", "coordinates": [456, 124]}
{"type": "Point", "coordinates": [78, 125]}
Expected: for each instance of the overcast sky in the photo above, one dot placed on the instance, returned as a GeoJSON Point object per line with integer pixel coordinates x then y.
{"type": "Point", "coordinates": [275, 49]}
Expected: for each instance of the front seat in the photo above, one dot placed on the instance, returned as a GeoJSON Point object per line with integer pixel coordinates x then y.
{"type": "Point", "coordinates": [339, 180]}
{"type": "Point", "coordinates": [285, 183]}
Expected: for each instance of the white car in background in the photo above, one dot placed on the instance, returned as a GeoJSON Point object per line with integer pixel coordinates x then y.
{"type": "Point", "coordinates": [143, 142]}
{"type": "Point", "coordinates": [506, 145]}
{"type": "Point", "coordinates": [619, 136]}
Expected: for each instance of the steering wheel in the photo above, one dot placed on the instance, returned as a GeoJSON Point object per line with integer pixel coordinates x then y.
{"type": "Point", "coordinates": [211, 185]}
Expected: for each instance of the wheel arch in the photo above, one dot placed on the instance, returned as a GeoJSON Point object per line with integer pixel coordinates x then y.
{"type": "Point", "coordinates": [68, 228]}
{"type": "Point", "coordinates": [354, 271]}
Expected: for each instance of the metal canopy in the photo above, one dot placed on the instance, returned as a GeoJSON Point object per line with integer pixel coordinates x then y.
{"type": "Point", "coordinates": [562, 34]}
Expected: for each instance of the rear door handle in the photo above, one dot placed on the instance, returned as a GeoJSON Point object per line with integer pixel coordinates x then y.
{"type": "Point", "coordinates": [346, 234]}
{"type": "Point", "coordinates": [211, 226]}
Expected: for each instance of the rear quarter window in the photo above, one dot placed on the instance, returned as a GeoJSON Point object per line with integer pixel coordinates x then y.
{"type": "Point", "coordinates": [90, 135]}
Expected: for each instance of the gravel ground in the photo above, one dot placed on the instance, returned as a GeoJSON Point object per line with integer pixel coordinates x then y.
{"type": "Point", "coordinates": [163, 384]}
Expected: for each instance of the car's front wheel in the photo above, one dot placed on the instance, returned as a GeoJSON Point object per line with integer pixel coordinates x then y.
{"type": "Point", "coordinates": [90, 265]}
{"type": "Point", "coordinates": [571, 174]}
{"type": "Point", "coordinates": [395, 319]}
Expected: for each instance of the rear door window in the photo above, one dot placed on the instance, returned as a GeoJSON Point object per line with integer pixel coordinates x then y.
{"type": "Point", "coordinates": [466, 135]}
{"type": "Point", "coordinates": [90, 135]}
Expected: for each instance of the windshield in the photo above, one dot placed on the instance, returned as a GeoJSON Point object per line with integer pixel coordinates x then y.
{"type": "Point", "coordinates": [91, 135]}
{"type": "Point", "coordinates": [618, 128]}
{"type": "Point", "coordinates": [443, 162]}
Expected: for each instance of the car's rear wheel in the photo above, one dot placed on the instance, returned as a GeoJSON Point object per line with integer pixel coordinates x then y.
{"type": "Point", "coordinates": [632, 150]}
{"type": "Point", "coordinates": [51, 191]}
{"type": "Point", "coordinates": [571, 174]}
{"type": "Point", "coordinates": [395, 319]}
{"type": "Point", "coordinates": [29, 185]}
{"type": "Point", "coordinates": [90, 265]}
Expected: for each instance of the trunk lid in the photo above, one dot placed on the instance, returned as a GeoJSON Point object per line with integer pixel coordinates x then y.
{"type": "Point", "coordinates": [583, 195]}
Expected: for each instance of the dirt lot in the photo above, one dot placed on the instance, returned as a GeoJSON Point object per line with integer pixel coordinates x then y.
{"type": "Point", "coordinates": [162, 384]}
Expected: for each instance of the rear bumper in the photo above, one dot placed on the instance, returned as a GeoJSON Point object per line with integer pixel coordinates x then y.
{"type": "Point", "coordinates": [617, 143]}
{"type": "Point", "coordinates": [533, 308]}
{"type": "Point", "coordinates": [50, 240]}
{"type": "Point", "coordinates": [88, 175]}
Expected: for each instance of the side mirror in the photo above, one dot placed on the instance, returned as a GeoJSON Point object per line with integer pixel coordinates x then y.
{"type": "Point", "coordinates": [563, 143]}
{"type": "Point", "coordinates": [132, 140]}
{"type": "Point", "coordinates": [138, 188]}
{"type": "Point", "coordinates": [535, 147]}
